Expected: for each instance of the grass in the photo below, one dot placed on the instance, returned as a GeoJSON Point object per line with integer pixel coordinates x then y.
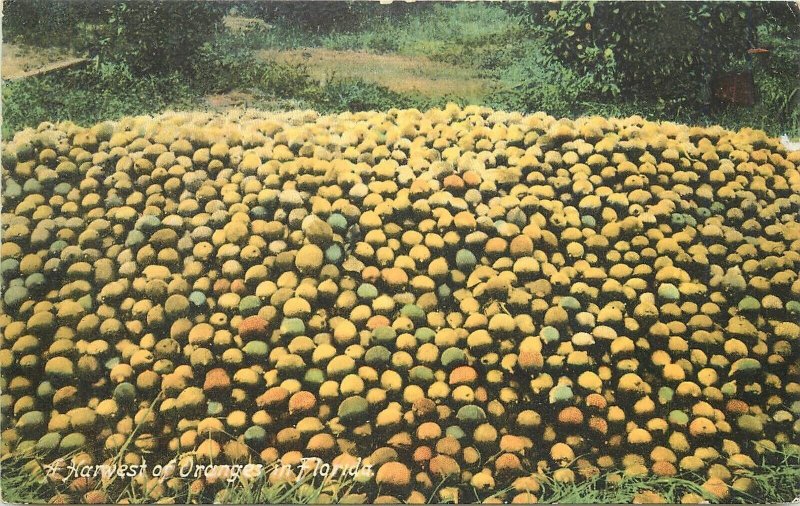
{"type": "Point", "coordinates": [108, 91]}
{"type": "Point", "coordinates": [89, 96]}
{"type": "Point", "coordinates": [461, 34]}
{"type": "Point", "coordinates": [599, 490]}
{"type": "Point", "coordinates": [496, 59]}
{"type": "Point", "coordinates": [395, 72]}
{"type": "Point", "coordinates": [22, 481]}
{"type": "Point", "coordinates": [307, 490]}
{"type": "Point", "coordinates": [435, 31]}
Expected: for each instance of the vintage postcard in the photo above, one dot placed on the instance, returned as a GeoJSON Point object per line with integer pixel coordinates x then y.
{"type": "Point", "coordinates": [262, 252]}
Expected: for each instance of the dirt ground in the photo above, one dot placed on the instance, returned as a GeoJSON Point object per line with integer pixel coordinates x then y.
{"type": "Point", "coordinates": [402, 74]}
{"type": "Point", "coordinates": [20, 60]}
{"type": "Point", "coordinates": [242, 24]}
{"type": "Point", "coordinates": [230, 99]}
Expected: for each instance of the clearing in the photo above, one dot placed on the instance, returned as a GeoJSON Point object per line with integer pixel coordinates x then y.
{"type": "Point", "coordinates": [401, 74]}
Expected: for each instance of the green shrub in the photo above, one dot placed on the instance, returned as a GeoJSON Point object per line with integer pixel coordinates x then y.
{"type": "Point", "coordinates": [107, 91]}
{"type": "Point", "coordinates": [230, 63]}
{"type": "Point", "coordinates": [152, 37]}
{"type": "Point", "coordinates": [775, 73]}
{"type": "Point", "coordinates": [327, 16]}
{"type": "Point", "coordinates": [283, 80]}
{"type": "Point", "coordinates": [537, 83]}
{"type": "Point", "coordinates": [354, 95]}
{"type": "Point", "coordinates": [46, 23]}
{"type": "Point", "coordinates": [646, 50]}
{"type": "Point", "coordinates": [357, 95]}
{"type": "Point", "coordinates": [224, 64]}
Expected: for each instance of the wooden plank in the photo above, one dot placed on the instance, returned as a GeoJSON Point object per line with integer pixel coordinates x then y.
{"type": "Point", "coordinates": [52, 67]}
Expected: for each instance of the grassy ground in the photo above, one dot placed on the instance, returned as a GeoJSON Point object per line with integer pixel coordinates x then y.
{"type": "Point", "coordinates": [395, 72]}
{"type": "Point", "coordinates": [475, 53]}
{"type": "Point", "coordinates": [23, 481]}
{"type": "Point", "coordinates": [19, 58]}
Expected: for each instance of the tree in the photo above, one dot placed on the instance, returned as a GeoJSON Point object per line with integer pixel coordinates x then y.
{"type": "Point", "coordinates": [653, 51]}
{"type": "Point", "coordinates": [157, 37]}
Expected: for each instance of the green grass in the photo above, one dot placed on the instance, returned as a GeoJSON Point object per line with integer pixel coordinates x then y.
{"type": "Point", "coordinates": [452, 33]}
{"type": "Point", "coordinates": [599, 490]}
{"type": "Point", "coordinates": [21, 480]}
{"type": "Point", "coordinates": [462, 34]}
{"type": "Point", "coordinates": [777, 481]}
{"type": "Point", "coordinates": [51, 99]}
{"type": "Point", "coordinates": [89, 96]}
{"type": "Point", "coordinates": [494, 43]}
{"type": "Point", "coordinates": [307, 490]}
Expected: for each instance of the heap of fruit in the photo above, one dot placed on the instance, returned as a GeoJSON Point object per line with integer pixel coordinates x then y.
{"type": "Point", "coordinates": [465, 299]}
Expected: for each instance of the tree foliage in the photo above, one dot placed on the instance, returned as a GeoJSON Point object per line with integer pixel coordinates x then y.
{"type": "Point", "coordinates": [151, 36]}
{"type": "Point", "coordinates": [328, 16]}
{"type": "Point", "coordinates": [653, 51]}
{"type": "Point", "coordinates": [50, 22]}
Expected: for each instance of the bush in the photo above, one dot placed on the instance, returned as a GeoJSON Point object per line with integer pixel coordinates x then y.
{"type": "Point", "coordinates": [51, 22]}
{"type": "Point", "coordinates": [229, 63]}
{"type": "Point", "coordinates": [356, 95]}
{"type": "Point", "coordinates": [91, 95]}
{"type": "Point", "coordinates": [224, 64]}
{"type": "Point", "coordinates": [775, 73]}
{"type": "Point", "coordinates": [327, 16]}
{"type": "Point", "coordinates": [542, 84]}
{"type": "Point", "coordinates": [655, 51]}
{"type": "Point", "coordinates": [151, 37]}
{"type": "Point", "coordinates": [282, 80]}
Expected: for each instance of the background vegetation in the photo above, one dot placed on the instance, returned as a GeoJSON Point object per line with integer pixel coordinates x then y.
{"type": "Point", "coordinates": [657, 59]}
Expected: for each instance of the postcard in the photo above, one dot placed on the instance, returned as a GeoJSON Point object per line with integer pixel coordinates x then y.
{"type": "Point", "coordinates": [261, 252]}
